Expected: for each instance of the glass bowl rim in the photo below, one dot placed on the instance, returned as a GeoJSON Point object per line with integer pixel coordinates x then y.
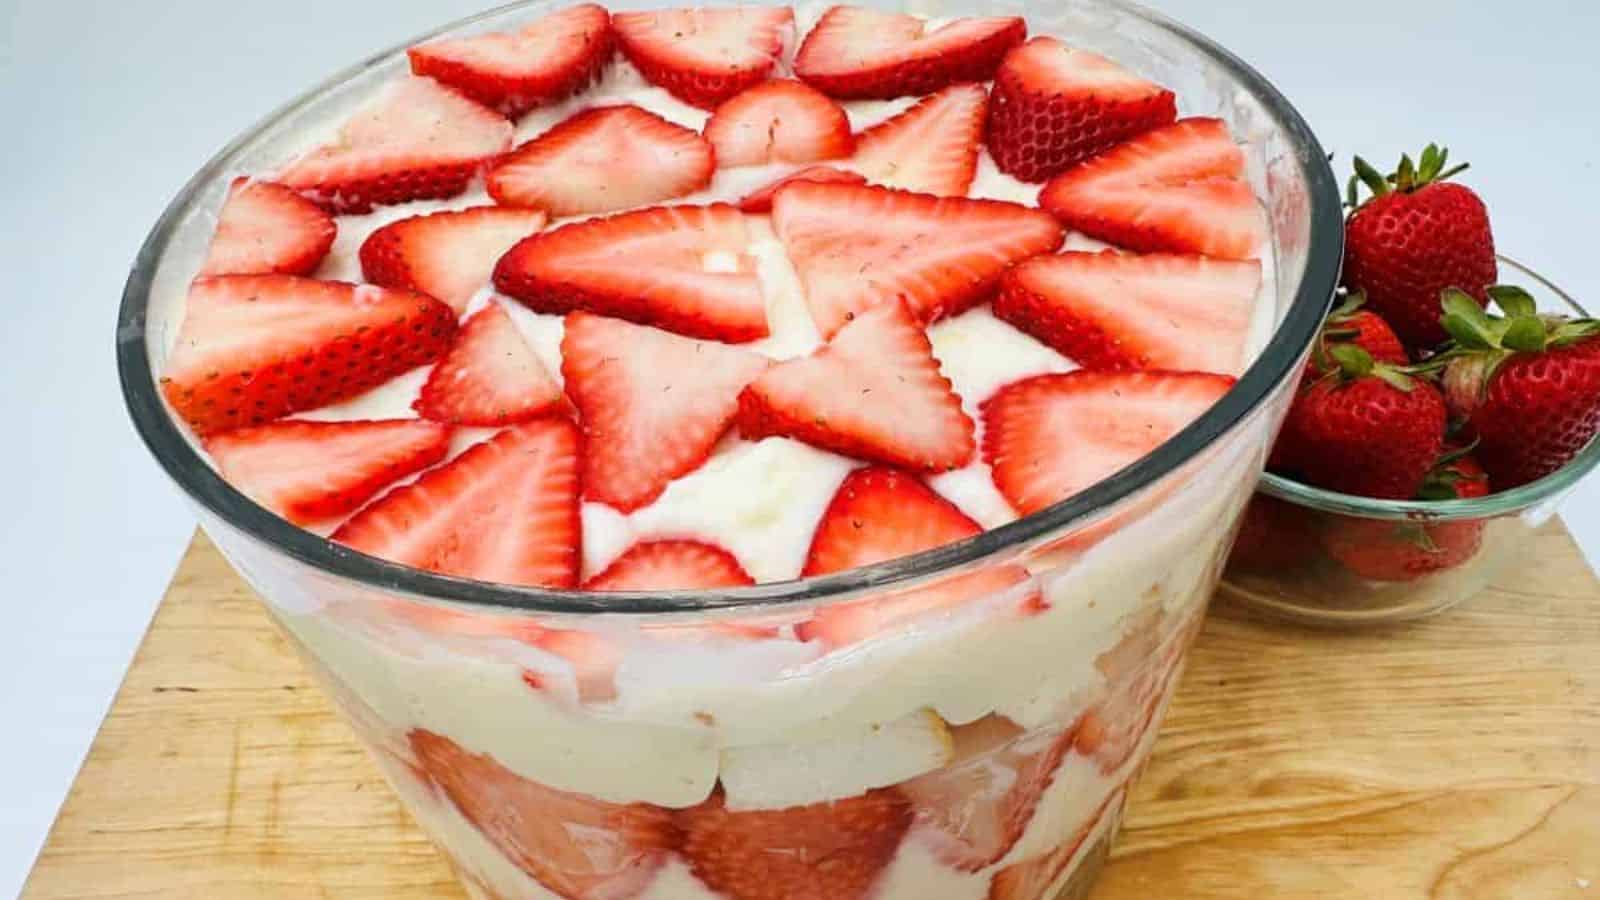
{"type": "Point", "coordinates": [196, 477]}
{"type": "Point", "coordinates": [1494, 505]}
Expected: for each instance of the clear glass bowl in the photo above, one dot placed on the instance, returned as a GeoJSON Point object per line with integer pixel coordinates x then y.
{"type": "Point", "coordinates": [1320, 557]}
{"type": "Point", "coordinates": [991, 743]}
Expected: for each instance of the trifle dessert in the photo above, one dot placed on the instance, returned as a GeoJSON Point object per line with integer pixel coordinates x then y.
{"type": "Point", "coordinates": [664, 430]}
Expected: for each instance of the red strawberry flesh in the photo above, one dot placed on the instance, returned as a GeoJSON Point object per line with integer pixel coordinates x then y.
{"type": "Point", "coordinates": [682, 268]}
{"type": "Point", "coordinates": [266, 229]}
{"type": "Point", "coordinates": [254, 348]}
{"type": "Point", "coordinates": [541, 63]}
{"type": "Point", "coordinates": [449, 255]}
{"type": "Point", "coordinates": [855, 247]}
{"type": "Point", "coordinates": [1054, 106]}
{"type": "Point", "coordinates": [313, 471]}
{"type": "Point", "coordinates": [490, 377]}
{"type": "Point", "coordinates": [860, 53]}
{"type": "Point", "coordinates": [603, 160]}
{"type": "Point", "coordinates": [705, 55]}
{"type": "Point", "coordinates": [931, 147]}
{"type": "Point", "coordinates": [1048, 437]}
{"type": "Point", "coordinates": [652, 404]}
{"type": "Point", "coordinates": [418, 141]}
{"type": "Point", "coordinates": [760, 200]}
{"type": "Point", "coordinates": [504, 511]}
{"type": "Point", "coordinates": [779, 121]}
{"type": "Point", "coordinates": [1156, 311]}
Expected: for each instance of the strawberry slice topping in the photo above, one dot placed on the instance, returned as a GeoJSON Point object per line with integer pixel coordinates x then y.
{"type": "Point", "coordinates": [703, 56]}
{"type": "Point", "coordinates": [254, 348]}
{"type": "Point", "coordinates": [669, 566]}
{"type": "Point", "coordinates": [1032, 879]}
{"type": "Point", "coordinates": [1115, 311]}
{"type": "Point", "coordinates": [449, 255]}
{"type": "Point", "coordinates": [779, 121]}
{"type": "Point", "coordinates": [931, 147]}
{"type": "Point", "coordinates": [266, 229]}
{"type": "Point", "coordinates": [418, 141]}
{"type": "Point", "coordinates": [653, 404]}
{"type": "Point", "coordinates": [513, 72]}
{"type": "Point", "coordinates": [602, 160]}
{"type": "Point", "coordinates": [1055, 106]}
{"type": "Point", "coordinates": [878, 515]}
{"type": "Point", "coordinates": [1180, 188]}
{"type": "Point", "coordinates": [682, 268]}
{"type": "Point", "coordinates": [760, 200]}
{"type": "Point", "coordinates": [855, 247]}
{"type": "Point", "coordinates": [874, 392]}
{"type": "Point", "coordinates": [834, 850]}
{"type": "Point", "coordinates": [577, 847]}
{"type": "Point", "coordinates": [861, 53]}
{"type": "Point", "coordinates": [973, 811]}
{"type": "Point", "coordinates": [313, 471]}
{"type": "Point", "coordinates": [491, 377]}
{"type": "Point", "coordinates": [1049, 437]}
{"type": "Point", "coordinates": [504, 511]}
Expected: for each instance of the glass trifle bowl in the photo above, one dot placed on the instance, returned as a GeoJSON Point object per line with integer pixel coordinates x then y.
{"type": "Point", "coordinates": [695, 744]}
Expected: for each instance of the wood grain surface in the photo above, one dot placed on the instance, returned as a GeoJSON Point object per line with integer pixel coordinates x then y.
{"type": "Point", "coordinates": [1455, 758]}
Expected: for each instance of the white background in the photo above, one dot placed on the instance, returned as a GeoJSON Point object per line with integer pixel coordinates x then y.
{"type": "Point", "coordinates": [107, 106]}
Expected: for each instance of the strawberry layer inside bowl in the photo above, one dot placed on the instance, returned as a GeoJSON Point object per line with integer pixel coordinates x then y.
{"type": "Point", "coordinates": [767, 447]}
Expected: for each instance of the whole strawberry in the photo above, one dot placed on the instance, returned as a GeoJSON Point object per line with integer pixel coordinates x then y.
{"type": "Point", "coordinates": [1365, 428]}
{"type": "Point", "coordinates": [1383, 550]}
{"type": "Point", "coordinates": [1526, 385]}
{"type": "Point", "coordinates": [1350, 323]}
{"type": "Point", "coordinates": [1418, 235]}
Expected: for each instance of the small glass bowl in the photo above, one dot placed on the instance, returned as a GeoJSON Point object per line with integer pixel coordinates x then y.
{"type": "Point", "coordinates": [1320, 557]}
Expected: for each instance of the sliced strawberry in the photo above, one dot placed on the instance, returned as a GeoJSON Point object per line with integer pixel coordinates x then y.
{"type": "Point", "coordinates": [653, 404]}
{"type": "Point", "coordinates": [705, 55]}
{"type": "Point", "coordinates": [254, 348]}
{"type": "Point", "coordinates": [973, 811]}
{"type": "Point", "coordinates": [449, 255]}
{"type": "Point", "coordinates": [670, 566]}
{"type": "Point", "coordinates": [874, 392]}
{"type": "Point", "coordinates": [575, 846]}
{"type": "Point", "coordinates": [682, 268]}
{"type": "Point", "coordinates": [504, 511]}
{"type": "Point", "coordinates": [834, 850]}
{"type": "Point", "coordinates": [1032, 879]}
{"type": "Point", "coordinates": [855, 247]}
{"type": "Point", "coordinates": [931, 147]}
{"type": "Point", "coordinates": [1179, 188]}
{"type": "Point", "coordinates": [312, 471]}
{"type": "Point", "coordinates": [859, 53]}
{"type": "Point", "coordinates": [266, 229]}
{"type": "Point", "coordinates": [491, 377]}
{"type": "Point", "coordinates": [419, 141]}
{"type": "Point", "coordinates": [594, 659]}
{"type": "Point", "coordinates": [544, 62]}
{"type": "Point", "coordinates": [779, 121]}
{"type": "Point", "coordinates": [1116, 311]}
{"type": "Point", "coordinates": [1054, 106]}
{"type": "Point", "coordinates": [602, 160]}
{"type": "Point", "coordinates": [1051, 436]}
{"type": "Point", "coordinates": [1139, 670]}
{"type": "Point", "coordinates": [760, 200]}
{"type": "Point", "coordinates": [878, 515]}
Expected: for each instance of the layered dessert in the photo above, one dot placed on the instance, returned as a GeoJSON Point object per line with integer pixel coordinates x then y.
{"type": "Point", "coordinates": [701, 300]}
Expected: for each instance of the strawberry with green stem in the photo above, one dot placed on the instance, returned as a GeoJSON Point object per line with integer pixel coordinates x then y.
{"type": "Point", "coordinates": [1366, 428]}
{"type": "Point", "coordinates": [1526, 385]}
{"type": "Point", "coordinates": [1416, 236]}
{"type": "Point", "coordinates": [1351, 323]}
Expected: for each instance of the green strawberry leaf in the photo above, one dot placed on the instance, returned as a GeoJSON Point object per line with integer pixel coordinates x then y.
{"type": "Point", "coordinates": [1513, 300]}
{"type": "Point", "coordinates": [1569, 331]}
{"type": "Point", "coordinates": [1371, 177]}
{"type": "Point", "coordinates": [1466, 321]}
{"type": "Point", "coordinates": [1524, 333]}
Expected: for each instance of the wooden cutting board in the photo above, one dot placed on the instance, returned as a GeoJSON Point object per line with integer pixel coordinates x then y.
{"type": "Point", "coordinates": [1456, 758]}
